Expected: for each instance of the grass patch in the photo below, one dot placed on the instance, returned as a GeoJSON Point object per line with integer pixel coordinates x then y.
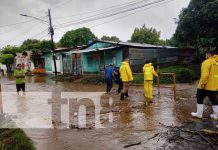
{"type": "Point", "coordinates": [62, 78]}
{"type": "Point", "coordinates": [14, 139]}
{"type": "Point", "coordinates": [93, 80]}
{"type": "Point", "coordinates": [184, 74]}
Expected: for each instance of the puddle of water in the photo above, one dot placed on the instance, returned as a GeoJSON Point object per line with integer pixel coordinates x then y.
{"type": "Point", "coordinates": [129, 116]}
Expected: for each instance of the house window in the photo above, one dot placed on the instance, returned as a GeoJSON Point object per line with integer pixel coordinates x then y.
{"type": "Point", "coordinates": [89, 61]}
{"type": "Point", "coordinates": [48, 61]}
{"type": "Point", "coordinates": [114, 60]}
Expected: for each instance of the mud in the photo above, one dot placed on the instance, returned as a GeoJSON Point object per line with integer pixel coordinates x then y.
{"type": "Point", "coordinates": [162, 125]}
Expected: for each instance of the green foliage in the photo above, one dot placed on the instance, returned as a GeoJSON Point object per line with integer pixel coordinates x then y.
{"type": "Point", "coordinates": [147, 35]}
{"type": "Point", "coordinates": [77, 37]}
{"type": "Point", "coordinates": [8, 60]}
{"type": "Point", "coordinates": [14, 139]}
{"type": "Point", "coordinates": [46, 45]}
{"type": "Point", "coordinates": [197, 24]}
{"type": "Point", "coordinates": [65, 78]}
{"type": "Point", "coordinates": [31, 45]}
{"type": "Point", "coordinates": [11, 50]}
{"type": "Point", "coordinates": [183, 75]}
{"type": "Point", "coordinates": [112, 38]}
{"type": "Point", "coordinates": [93, 80]}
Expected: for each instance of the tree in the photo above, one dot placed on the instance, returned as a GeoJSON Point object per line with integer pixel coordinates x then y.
{"type": "Point", "coordinates": [197, 25]}
{"type": "Point", "coordinates": [11, 50]}
{"type": "Point", "coordinates": [31, 45]}
{"type": "Point", "coordinates": [146, 35]}
{"type": "Point", "coordinates": [45, 45]}
{"type": "Point", "coordinates": [112, 38]}
{"type": "Point", "coordinates": [77, 37]}
{"type": "Point", "coordinates": [8, 60]}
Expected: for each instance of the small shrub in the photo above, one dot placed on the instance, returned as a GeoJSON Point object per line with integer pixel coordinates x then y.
{"type": "Point", "coordinates": [14, 139]}
{"type": "Point", "coordinates": [93, 80]}
{"type": "Point", "coordinates": [185, 76]}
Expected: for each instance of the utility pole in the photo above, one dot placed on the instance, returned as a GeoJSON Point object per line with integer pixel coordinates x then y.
{"type": "Point", "coordinates": [51, 30]}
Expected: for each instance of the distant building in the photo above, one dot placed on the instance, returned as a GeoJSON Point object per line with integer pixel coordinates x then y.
{"type": "Point", "coordinates": [99, 54]}
{"type": "Point", "coordinates": [25, 60]}
{"type": "Point", "coordinates": [94, 57]}
{"type": "Point", "coordinates": [66, 61]}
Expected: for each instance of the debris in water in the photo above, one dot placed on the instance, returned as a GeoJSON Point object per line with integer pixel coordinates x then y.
{"type": "Point", "coordinates": [133, 144]}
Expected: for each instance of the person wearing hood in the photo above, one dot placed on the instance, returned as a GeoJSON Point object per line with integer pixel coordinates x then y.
{"type": "Point", "coordinates": [109, 77]}
{"type": "Point", "coordinates": [208, 85]}
{"type": "Point", "coordinates": [126, 77]}
{"type": "Point", "coordinates": [117, 79]}
{"type": "Point", "coordinates": [149, 72]}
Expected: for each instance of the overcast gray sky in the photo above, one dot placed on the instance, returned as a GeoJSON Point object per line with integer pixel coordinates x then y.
{"type": "Point", "coordinates": [159, 16]}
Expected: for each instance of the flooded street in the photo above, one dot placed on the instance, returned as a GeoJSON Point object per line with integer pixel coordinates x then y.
{"type": "Point", "coordinates": [110, 123]}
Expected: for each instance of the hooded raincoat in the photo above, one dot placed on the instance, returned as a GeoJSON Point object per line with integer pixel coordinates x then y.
{"type": "Point", "coordinates": [125, 72]}
{"type": "Point", "coordinates": [149, 72]}
{"type": "Point", "coordinates": [209, 74]}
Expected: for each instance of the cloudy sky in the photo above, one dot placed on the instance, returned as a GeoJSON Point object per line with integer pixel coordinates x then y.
{"type": "Point", "coordinates": [104, 17]}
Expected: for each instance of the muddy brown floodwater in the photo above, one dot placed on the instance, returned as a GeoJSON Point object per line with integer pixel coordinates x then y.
{"type": "Point", "coordinates": [134, 125]}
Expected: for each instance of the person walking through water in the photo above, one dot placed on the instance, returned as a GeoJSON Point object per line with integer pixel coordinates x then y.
{"type": "Point", "coordinates": [117, 79]}
{"type": "Point", "coordinates": [208, 85]}
{"type": "Point", "coordinates": [109, 77]}
{"type": "Point", "coordinates": [19, 74]}
{"type": "Point", "coordinates": [149, 72]}
{"type": "Point", "coordinates": [126, 77]}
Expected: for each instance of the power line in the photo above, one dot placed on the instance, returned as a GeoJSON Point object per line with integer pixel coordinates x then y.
{"type": "Point", "coordinates": [13, 24]}
{"type": "Point", "coordinates": [90, 12]}
{"type": "Point", "coordinates": [18, 23]}
{"type": "Point", "coordinates": [129, 14]}
{"type": "Point", "coordinates": [22, 34]}
{"type": "Point", "coordinates": [61, 4]}
{"type": "Point", "coordinates": [111, 14]}
{"type": "Point", "coordinates": [121, 7]}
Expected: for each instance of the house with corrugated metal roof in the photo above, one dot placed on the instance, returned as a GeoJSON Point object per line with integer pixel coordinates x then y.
{"type": "Point", "coordinates": [94, 57]}
{"type": "Point", "coordinates": [99, 53]}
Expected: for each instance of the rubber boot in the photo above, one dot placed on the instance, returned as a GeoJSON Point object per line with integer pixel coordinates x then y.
{"type": "Point", "coordinates": [122, 96]}
{"type": "Point", "coordinates": [215, 112]}
{"type": "Point", "coordinates": [199, 113]}
{"type": "Point", "coordinates": [126, 94]}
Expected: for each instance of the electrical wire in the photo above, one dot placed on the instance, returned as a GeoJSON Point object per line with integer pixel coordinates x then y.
{"type": "Point", "coordinates": [18, 23]}
{"type": "Point", "coordinates": [90, 12]}
{"type": "Point", "coordinates": [129, 14]}
{"type": "Point", "coordinates": [110, 15]}
{"type": "Point", "coordinates": [60, 5]}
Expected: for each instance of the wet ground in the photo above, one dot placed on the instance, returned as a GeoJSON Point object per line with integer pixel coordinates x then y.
{"type": "Point", "coordinates": [126, 124]}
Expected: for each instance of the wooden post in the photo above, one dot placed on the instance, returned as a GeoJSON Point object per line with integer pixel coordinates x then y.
{"type": "Point", "coordinates": [1, 106]}
{"type": "Point", "coordinates": [174, 85]}
{"type": "Point", "coordinates": [81, 67]}
{"type": "Point", "coordinates": [104, 60]}
{"type": "Point", "coordinates": [158, 81]}
{"type": "Point", "coordinates": [99, 65]}
{"type": "Point", "coordinates": [76, 64]}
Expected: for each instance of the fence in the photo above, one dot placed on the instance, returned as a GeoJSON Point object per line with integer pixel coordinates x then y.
{"type": "Point", "coordinates": [171, 75]}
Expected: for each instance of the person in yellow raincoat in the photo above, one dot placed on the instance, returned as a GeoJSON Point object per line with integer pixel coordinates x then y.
{"type": "Point", "coordinates": [126, 77]}
{"type": "Point", "coordinates": [208, 85]}
{"type": "Point", "coordinates": [149, 72]}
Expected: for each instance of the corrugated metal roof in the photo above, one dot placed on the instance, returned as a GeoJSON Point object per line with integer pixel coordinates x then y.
{"type": "Point", "coordinates": [91, 50]}
{"type": "Point", "coordinates": [144, 45]}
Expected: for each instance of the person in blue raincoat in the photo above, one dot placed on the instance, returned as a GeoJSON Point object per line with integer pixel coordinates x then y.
{"type": "Point", "coordinates": [109, 77]}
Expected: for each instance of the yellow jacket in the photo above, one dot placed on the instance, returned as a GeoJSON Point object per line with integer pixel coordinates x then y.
{"type": "Point", "coordinates": [149, 72]}
{"type": "Point", "coordinates": [125, 72]}
{"type": "Point", "coordinates": [209, 74]}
